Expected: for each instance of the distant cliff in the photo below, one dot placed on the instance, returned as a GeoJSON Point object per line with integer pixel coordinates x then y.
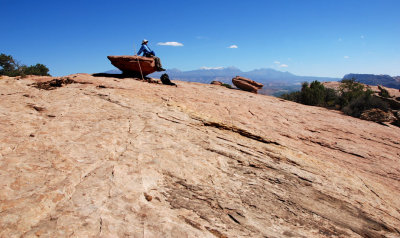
{"type": "Point", "coordinates": [372, 79]}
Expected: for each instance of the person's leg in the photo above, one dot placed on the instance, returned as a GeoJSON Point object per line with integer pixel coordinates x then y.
{"type": "Point", "coordinates": [158, 63]}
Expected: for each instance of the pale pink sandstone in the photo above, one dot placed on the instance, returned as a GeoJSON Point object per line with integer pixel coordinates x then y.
{"type": "Point", "coordinates": [82, 161]}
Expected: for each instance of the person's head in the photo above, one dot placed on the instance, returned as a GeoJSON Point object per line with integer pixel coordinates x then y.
{"type": "Point", "coordinates": [144, 42]}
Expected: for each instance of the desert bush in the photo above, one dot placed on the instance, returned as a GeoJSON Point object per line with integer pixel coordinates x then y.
{"type": "Point", "coordinates": [38, 69]}
{"type": "Point", "coordinates": [365, 102]}
{"type": "Point", "coordinates": [226, 85]}
{"type": "Point", "coordinates": [10, 67]}
{"type": "Point", "coordinates": [313, 94]}
{"type": "Point", "coordinates": [383, 92]}
{"type": "Point", "coordinates": [350, 90]}
{"type": "Point", "coordinates": [331, 97]}
{"type": "Point", "coordinates": [293, 96]}
{"type": "Point", "coordinates": [353, 99]}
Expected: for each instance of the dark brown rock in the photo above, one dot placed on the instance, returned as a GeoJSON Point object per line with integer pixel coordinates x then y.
{"type": "Point", "coordinates": [397, 114]}
{"type": "Point", "coordinates": [246, 84]}
{"type": "Point", "coordinates": [133, 64]}
{"type": "Point", "coordinates": [216, 83]}
{"type": "Point", "coordinates": [377, 115]}
{"type": "Point", "coordinates": [148, 197]}
{"type": "Point", "coordinates": [53, 84]}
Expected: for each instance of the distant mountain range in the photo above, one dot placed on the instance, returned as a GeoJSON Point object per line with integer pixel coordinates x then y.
{"type": "Point", "coordinates": [265, 76]}
{"type": "Point", "coordinates": [275, 82]}
{"type": "Point", "coordinates": [225, 75]}
{"type": "Point", "coordinates": [372, 79]}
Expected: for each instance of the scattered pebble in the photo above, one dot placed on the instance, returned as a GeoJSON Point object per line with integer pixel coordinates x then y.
{"type": "Point", "coordinates": [148, 197]}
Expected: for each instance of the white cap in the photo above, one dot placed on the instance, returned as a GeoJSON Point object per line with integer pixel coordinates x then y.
{"type": "Point", "coordinates": [144, 41]}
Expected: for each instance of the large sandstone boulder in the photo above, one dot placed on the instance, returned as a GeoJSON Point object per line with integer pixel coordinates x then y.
{"type": "Point", "coordinates": [133, 64]}
{"type": "Point", "coordinates": [246, 84]}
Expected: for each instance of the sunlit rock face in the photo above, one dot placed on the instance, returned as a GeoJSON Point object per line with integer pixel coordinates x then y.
{"type": "Point", "coordinates": [111, 157]}
{"type": "Point", "coordinates": [246, 84]}
{"type": "Point", "coordinates": [134, 65]}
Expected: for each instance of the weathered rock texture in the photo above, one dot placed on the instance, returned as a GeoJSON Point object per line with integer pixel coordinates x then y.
{"type": "Point", "coordinates": [134, 65]}
{"type": "Point", "coordinates": [132, 159]}
{"type": "Point", "coordinates": [246, 84]}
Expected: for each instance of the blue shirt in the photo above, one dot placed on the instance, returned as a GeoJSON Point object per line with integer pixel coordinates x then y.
{"type": "Point", "coordinates": [146, 51]}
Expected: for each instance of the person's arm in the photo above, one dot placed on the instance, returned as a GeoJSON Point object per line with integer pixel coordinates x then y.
{"type": "Point", "coordinates": [149, 51]}
{"type": "Point", "coordinates": [146, 50]}
{"type": "Point", "coordinates": [140, 50]}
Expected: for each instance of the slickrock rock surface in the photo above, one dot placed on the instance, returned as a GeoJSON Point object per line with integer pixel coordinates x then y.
{"type": "Point", "coordinates": [107, 157]}
{"type": "Point", "coordinates": [246, 84]}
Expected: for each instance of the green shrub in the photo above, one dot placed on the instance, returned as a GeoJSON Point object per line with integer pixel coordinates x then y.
{"type": "Point", "coordinates": [38, 69]}
{"type": "Point", "coordinates": [226, 85]}
{"type": "Point", "coordinates": [383, 92]}
{"type": "Point", "coordinates": [331, 97]}
{"type": "Point", "coordinates": [9, 67]}
{"type": "Point", "coordinates": [352, 97]}
{"type": "Point", "coordinates": [294, 96]}
{"type": "Point", "coordinates": [350, 90]}
{"type": "Point", "coordinates": [313, 94]}
{"type": "Point", "coordinates": [365, 102]}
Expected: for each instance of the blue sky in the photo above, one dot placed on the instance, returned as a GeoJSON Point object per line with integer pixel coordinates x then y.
{"type": "Point", "coordinates": [304, 37]}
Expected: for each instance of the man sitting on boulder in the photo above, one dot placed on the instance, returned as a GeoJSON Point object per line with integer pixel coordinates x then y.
{"type": "Point", "coordinates": [149, 53]}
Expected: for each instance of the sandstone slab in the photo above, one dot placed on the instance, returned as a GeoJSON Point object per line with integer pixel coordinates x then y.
{"type": "Point", "coordinates": [133, 159]}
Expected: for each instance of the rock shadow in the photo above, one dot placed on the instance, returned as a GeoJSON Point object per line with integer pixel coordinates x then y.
{"type": "Point", "coordinates": [120, 76]}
